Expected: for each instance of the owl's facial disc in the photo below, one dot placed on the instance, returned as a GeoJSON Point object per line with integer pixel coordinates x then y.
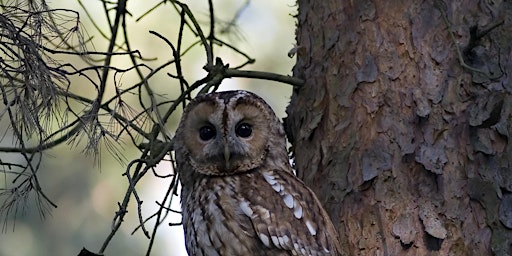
{"type": "Point", "coordinates": [228, 134]}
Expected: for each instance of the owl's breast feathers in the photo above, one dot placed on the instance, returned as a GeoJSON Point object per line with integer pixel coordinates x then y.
{"type": "Point", "coordinates": [264, 212]}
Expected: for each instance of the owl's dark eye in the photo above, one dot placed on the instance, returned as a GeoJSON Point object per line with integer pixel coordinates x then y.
{"type": "Point", "coordinates": [243, 130]}
{"type": "Point", "coordinates": [207, 132]}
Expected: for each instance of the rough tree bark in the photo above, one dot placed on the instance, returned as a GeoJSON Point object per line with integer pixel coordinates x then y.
{"type": "Point", "coordinates": [403, 125]}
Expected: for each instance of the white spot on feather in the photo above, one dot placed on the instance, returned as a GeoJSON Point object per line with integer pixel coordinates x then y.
{"type": "Point", "coordinates": [311, 229]}
{"type": "Point", "coordinates": [270, 179]}
{"type": "Point", "coordinates": [246, 209]}
{"type": "Point", "coordinates": [297, 210]}
{"type": "Point", "coordinates": [284, 240]}
{"type": "Point", "coordinates": [277, 187]}
{"type": "Point", "coordinates": [275, 240]}
{"type": "Point", "coordinates": [264, 239]}
{"type": "Point", "coordinates": [288, 200]}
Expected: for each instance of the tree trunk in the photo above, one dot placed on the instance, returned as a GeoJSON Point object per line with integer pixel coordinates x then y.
{"type": "Point", "coordinates": [402, 128]}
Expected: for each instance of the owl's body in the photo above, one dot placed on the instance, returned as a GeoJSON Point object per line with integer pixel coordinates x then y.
{"type": "Point", "coordinates": [239, 195]}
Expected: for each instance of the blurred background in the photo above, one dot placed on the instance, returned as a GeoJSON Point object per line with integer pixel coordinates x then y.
{"type": "Point", "coordinates": [87, 190]}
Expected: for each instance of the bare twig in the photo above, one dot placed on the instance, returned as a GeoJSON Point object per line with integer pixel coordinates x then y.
{"type": "Point", "coordinates": [37, 92]}
{"type": "Point", "coordinates": [441, 6]}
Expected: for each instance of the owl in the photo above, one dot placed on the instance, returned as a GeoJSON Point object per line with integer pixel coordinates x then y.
{"type": "Point", "coordinates": [239, 195]}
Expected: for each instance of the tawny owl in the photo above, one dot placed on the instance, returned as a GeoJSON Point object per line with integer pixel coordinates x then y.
{"type": "Point", "coordinates": [239, 195]}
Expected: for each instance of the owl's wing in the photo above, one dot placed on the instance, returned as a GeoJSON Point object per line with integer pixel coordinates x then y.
{"type": "Point", "coordinates": [287, 215]}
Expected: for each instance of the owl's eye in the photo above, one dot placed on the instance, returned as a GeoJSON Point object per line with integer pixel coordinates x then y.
{"type": "Point", "coordinates": [243, 130]}
{"type": "Point", "coordinates": [207, 132]}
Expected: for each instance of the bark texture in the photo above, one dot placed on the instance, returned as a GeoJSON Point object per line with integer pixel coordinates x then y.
{"type": "Point", "coordinates": [407, 146]}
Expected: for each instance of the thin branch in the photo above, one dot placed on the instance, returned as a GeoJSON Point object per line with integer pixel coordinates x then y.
{"type": "Point", "coordinates": [230, 73]}
{"type": "Point", "coordinates": [441, 6]}
{"type": "Point", "coordinates": [209, 53]}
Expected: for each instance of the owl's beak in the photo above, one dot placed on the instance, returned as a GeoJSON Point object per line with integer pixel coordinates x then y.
{"type": "Point", "coordinates": [227, 155]}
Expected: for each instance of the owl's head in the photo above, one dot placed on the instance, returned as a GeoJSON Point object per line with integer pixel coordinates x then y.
{"type": "Point", "coordinates": [230, 132]}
